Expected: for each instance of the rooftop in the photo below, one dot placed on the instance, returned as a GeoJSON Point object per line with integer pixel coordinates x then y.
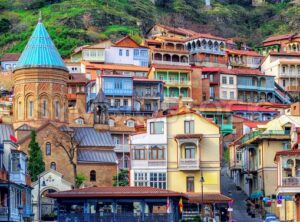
{"type": "Point", "coordinates": [6, 131]}
{"type": "Point", "coordinates": [118, 192]}
{"type": "Point", "coordinates": [10, 57]}
{"type": "Point", "coordinates": [207, 36]}
{"type": "Point", "coordinates": [281, 37]}
{"type": "Point", "coordinates": [40, 51]}
{"type": "Point", "coordinates": [243, 52]}
{"type": "Point", "coordinates": [89, 137]}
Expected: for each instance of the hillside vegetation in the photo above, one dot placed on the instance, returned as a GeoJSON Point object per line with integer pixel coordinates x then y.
{"type": "Point", "coordinates": [77, 22]}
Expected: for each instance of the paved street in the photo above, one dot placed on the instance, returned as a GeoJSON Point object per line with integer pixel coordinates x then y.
{"type": "Point", "coordinates": [239, 207]}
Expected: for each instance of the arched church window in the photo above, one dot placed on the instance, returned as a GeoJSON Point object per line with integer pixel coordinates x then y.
{"type": "Point", "coordinates": [57, 109]}
{"type": "Point", "coordinates": [30, 108]}
{"type": "Point", "coordinates": [53, 166]}
{"type": "Point", "coordinates": [93, 175]}
{"type": "Point", "coordinates": [48, 149]}
{"type": "Point", "coordinates": [44, 108]}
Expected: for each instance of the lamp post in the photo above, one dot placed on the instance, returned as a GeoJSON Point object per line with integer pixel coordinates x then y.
{"type": "Point", "coordinates": [117, 162]}
{"type": "Point", "coordinates": [202, 204]}
{"type": "Point", "coordinates": [39, 197]}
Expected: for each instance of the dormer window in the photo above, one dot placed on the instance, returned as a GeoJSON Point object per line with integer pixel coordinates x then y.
{"type": "Point", "coordinates": [79, 121]}
{"type": "Point", "coordinates": [130, 123]}
{"type": "Point", "coordinates": [15, 163]}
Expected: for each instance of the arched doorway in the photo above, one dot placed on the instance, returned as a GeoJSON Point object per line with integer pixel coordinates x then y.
{"type": "Point", "coordinates": [48, 212]}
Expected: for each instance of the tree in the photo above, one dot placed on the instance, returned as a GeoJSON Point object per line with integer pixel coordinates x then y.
{"type": "Point", "coordinates": [122, 178]}
{"type": "Point", "coordinates": [69, 143]}
{"type": "Point", "coordinates": [36, 165]}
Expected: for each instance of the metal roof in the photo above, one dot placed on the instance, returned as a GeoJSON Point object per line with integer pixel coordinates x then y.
{"type": "Point", "coordinates": [89, 136]}
{"type": "Point", "coordinates": [40, 51]}
{"type": "Point", "coordinates": [97, 156]}
{"type": "Point", "coordinates": [24, 127]}
{"type": "Point", "coordinates": [5, 132]}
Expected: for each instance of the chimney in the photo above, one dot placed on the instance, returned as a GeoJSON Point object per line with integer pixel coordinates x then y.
{"type": "Point", "coordinates": [295, 109]}
{"type": "Point", "coordinates": [81, 103]}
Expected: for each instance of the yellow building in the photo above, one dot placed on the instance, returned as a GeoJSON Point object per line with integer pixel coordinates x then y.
{"type": "Point", "coordinates": [252, 162]}
{"type": "Point", "coordinates": [180, 152]}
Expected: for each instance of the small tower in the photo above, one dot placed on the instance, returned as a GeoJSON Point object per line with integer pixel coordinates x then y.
{"type": "Point", "coordinates": [40, 77]}
{"type": "Point", "coordinates": [100, 107]}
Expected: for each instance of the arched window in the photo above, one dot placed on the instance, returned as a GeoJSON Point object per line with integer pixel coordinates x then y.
{"type": "Point", "coordinates": [44, 108]}
{"type": "Point", "coordinates": [53, 165]}
{"type": "Point", "coordinates": [48, 149]}
{"type": "Point", "coordinates": [79, 121]}
{"type": "Point", "coordinates": [111, 122]}
{"type": "Point", "coordinates": [57, 109]}
{"type": "Point", "coordinates": [130, 123]}
{"type": "Point", "coordinates": [20, 110]}
{"type": "Point", "coordinates": [93, 175]}
{"type": "Point", "coordinates": [30, 107]}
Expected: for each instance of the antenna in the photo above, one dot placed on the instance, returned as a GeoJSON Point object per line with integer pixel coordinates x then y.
{"type": "Point", "coordinates": [40, 16]}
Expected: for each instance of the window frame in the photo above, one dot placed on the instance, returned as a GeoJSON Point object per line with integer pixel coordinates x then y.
{"type": "Point", "coordinates": [152, 128]}
{"type": "Point", "coordinates": [48, 149]}
{"type": "Point", "coordinates": [190, 184]}
{"type": "Point", "coordinates": [189, 126]}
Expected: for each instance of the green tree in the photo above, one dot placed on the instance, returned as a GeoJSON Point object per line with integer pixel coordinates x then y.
{"type": "Point", "coordinates": [122, 178]}
{"type": "Point", "coordinates": [79, 180]}
{"type": "Point", "coordinates": [36, 165]}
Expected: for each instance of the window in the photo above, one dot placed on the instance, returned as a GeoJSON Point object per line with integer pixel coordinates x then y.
{"type": "Point", "coordinates": [189, 126]}
{"type": "Point", "coordinates": [118, 84]}
{"type": "Point", "coordinates": [117, 102]}
{"type": "Point", "coordinates": [139, 154]}
{"type": "Point", "coordinates": [44, 108]}
{"type": "Point", "coordinates": [30, 109]}
{"type": "Point", "coordinates": [79, 121]}
{"type": "Point", "coordinates": [283, 69]}
{"type": "Point", "coordinates": [15, 163]}
{"type": "Point", "coordinates": [231, 95]}
{"type": "Point", "coordinates": [57, 109]}
{"type": "Point", "coordinates": [157, 153]}
{"type": "Point", "coordinates": [158, 180]}
{"type": "Point", "coordinates": [136, 52]}
{"type": "Point", "coordinates": [144, 52]}
{"type": "Point", "coordinates": [224, 94]}
{"type": "Point", "coordinates": [127, 52]}
{"type": "Point", "coordinates": [224, 80]}
{"type": "Point", "coordinates": [19, 110]}
{"type": "Point", "coordinates": [111, 122]}
{"type": "Point", "coordinates": [190, 152]}
{"type": "Point", "coordinates": [190, 184]}
{"type": "Point", "coordinates": [48, 149]}
{"type": "Point", "coordinates": [141, 179]}
{"type": "Point", "coordinates": [130, 123]}
{"type": "Point", "coordinates": [125, 102]}
{"type": "Point", "coordinates": [283, 82]}
{"type": "Point", "coordinates": [53, 166]}
{"type": "Point", "coordinates": [239, 156]}
{"type": "Point", "coordinates": [231, 82]}
{"type": "Point", "coordinates": [93, 175]}
{"type": "Point", "coordinates": [120, 52]}
{"type": "Point", "coordinates": [157, 127]}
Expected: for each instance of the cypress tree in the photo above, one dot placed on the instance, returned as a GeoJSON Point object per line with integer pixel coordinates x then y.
{"type": "Point", "coordinates": [36, 164]}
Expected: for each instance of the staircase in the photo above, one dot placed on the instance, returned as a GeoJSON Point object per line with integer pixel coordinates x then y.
{"type": "Point", "coordinates": [282, 95]}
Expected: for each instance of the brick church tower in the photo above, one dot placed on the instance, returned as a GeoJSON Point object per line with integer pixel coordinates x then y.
{"type": "Point", "coordinates": [40, 76]}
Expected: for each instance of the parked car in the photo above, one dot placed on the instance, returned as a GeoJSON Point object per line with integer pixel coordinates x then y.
{"type": "Point", "coordinates": [271, 218]}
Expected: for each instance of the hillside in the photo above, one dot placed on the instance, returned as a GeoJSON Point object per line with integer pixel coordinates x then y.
{"type": "Point", "coordinates": [76, 22]}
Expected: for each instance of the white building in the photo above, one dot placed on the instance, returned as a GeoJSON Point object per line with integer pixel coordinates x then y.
{"type": "Point", "coordinates": [149, 159]}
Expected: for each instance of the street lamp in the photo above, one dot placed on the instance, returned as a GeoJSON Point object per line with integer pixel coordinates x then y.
{"type": "Point", "coordinates": [39, 197]}
{"type": "Point", "coordinates": [202, 204]}
{"type": "Point", "coordinates": [117, 162]}
{"type": "Point", "coordinates": [20, 210]}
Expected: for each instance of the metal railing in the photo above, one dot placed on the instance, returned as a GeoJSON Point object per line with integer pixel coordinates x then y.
{"type": "Point", "coordinates": [146, 94]}
{"type": "Point", "coordinates": [170, 63]}
{"type": "Point", "coordinates": [122, 148]}
{"type": "Point", "coordinates": [291, 181]}
{"type": "Point", "coordinates": [266, 133]}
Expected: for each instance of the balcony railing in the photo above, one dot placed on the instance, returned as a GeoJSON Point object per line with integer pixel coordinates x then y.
{"type": "Point", "coordinates": [188, 164]}
{"type": "Point", "coordinates": [119, 148]}
{"type": "Point", "coordinates": [157, 163]}
{"type": "Point", "coordinates": [138, 164]}
{"type": "Point", "coordinates": [146, 94]}
{"type": "Point", "coordinates": [292, 88]}
{"type": "Point", "coordinates": [267, 133]}
{"type": "Point", "coordinates": [291, 181]}
{"type": "Point", "coordinates": [170, 63]}
{"type": "Point", "coordinates": [177, 82]}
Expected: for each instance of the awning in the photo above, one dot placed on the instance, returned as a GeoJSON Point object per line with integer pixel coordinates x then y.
{"type": "Point", "coordinates": [207, 198]}
{"type": "Point", "coordinates": [256, 194]}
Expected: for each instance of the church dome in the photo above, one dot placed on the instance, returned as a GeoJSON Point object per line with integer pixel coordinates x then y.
{"type": "Point", "coordinates": [40, 52]}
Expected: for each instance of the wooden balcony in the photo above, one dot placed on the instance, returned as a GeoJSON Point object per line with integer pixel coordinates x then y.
{"type": "Point", "coordinates": [291, 181]}
{"type": "Point", "coordinates": [188, 164]}
{"type": "Point", "coordinates": [170, 63]}
{"type": "Point", "coordinates": [292, 88]}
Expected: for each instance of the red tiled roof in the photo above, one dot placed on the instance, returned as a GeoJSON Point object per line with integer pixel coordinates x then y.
{"type": "Point", "coordinates": [77, 78]}
{"type": "Point", "coordinates": [251, 108]}
{"type": "Point", "coordinates": [119, 192]}
{"type": "Point", "coordinates": [181, 31]}
{"type": "Point", "coordinates": [170, 39]}
{"type": "Point", "coordinates": [287, 153]}
{"type": "Point", "coordinates": [280, 37]}
{"type": "Point", "coordinates": [208, 36]}
{"type": "Point", "coordinates": [253, 124]}
{"type": "Point", "coordinates": [128, 42]}
{"type": "Point", "coordinates": [208, 198]}
{"type": "Point", "coordinates": [171, 67]}
{"type": "Point", "coordinates": [243, 52]}
{"type": "Point", "coordinates": [169, 50]}
{"type": "Point", "coordinates": [234, 71]}
{"type": "Point", "coordinates": [10, 57]}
